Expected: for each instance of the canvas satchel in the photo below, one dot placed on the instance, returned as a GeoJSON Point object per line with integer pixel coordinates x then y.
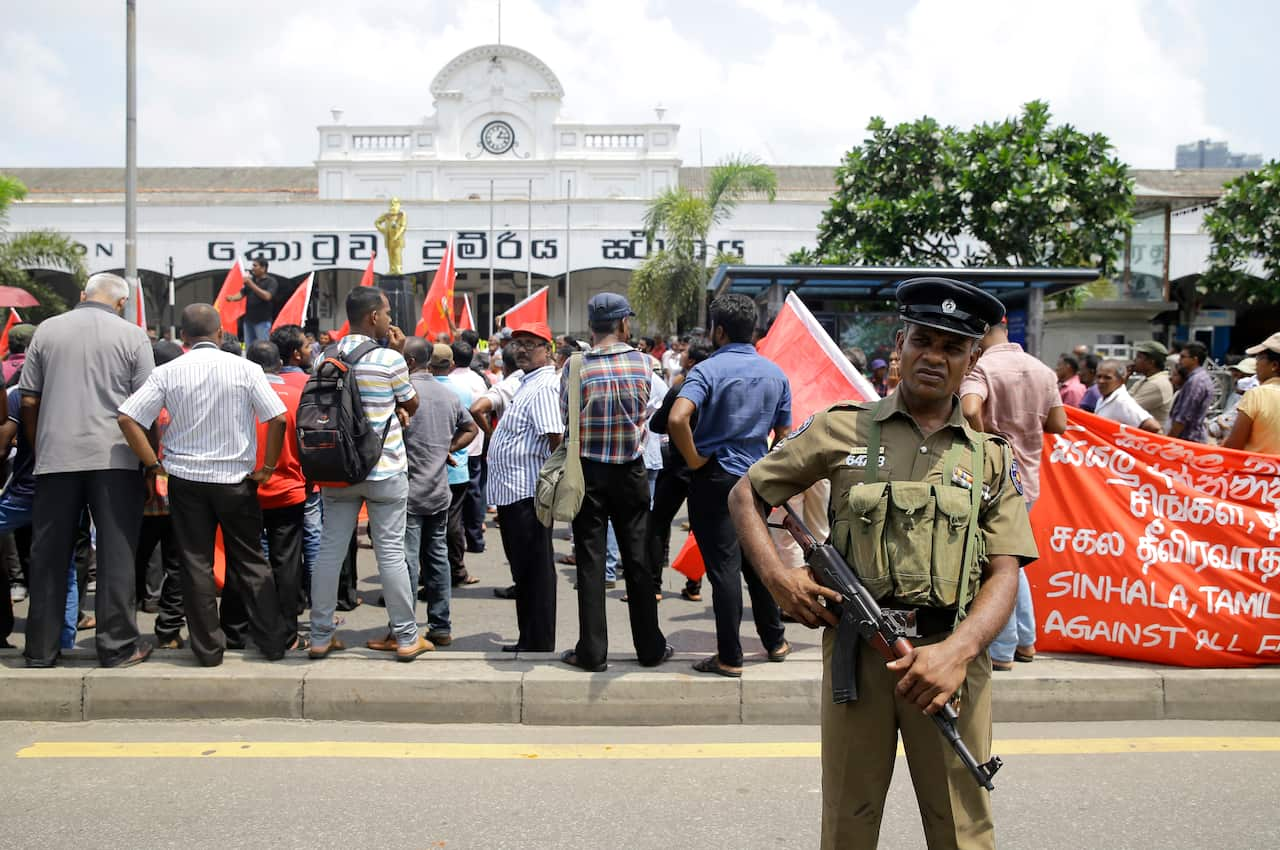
{"type": "Point", "coordinates": [561, 488]}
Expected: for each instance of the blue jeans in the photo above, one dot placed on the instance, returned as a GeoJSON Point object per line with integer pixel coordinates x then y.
{"type": "Point", "coordinates": [312, 518]}
{"type": "Point", "coordinates": [386, 501]}
{"type": "Point", "coordinates": [431, 532]}
{"type": "Point", "coordinates": [1021, 628]}
{"type": "Point", "coordinates": [612, 555]}
{"type": "Point", "coordinates": [15, 513]}
{"type": "Point", "coordinates": [254, 331]}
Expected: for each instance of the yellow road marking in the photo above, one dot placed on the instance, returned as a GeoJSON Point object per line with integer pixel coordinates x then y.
{"type": "Point", "coordinates": [562, 752]}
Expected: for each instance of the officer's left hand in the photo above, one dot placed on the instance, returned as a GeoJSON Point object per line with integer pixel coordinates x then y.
{"type": "Point", "coordinates": [931, 674]}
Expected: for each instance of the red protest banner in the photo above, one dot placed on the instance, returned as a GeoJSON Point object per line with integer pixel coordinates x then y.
{"type": "Point", "coordinates": [1156, 549]}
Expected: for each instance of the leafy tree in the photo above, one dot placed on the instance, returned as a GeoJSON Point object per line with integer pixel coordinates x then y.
{"type": "Point", "coordinates": [1028, 194]}
{"type": "Point", "coordinates": [1245, 227]}
{"type": "Point", "coordinates": [670, 286]}
{"type": "Point", "coordinates": [45, 249]}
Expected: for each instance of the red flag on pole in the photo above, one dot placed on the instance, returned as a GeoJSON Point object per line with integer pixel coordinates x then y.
{"type": "Point", "coordinates": [14, 319]}
{"type": "Point", "coordinates": [437, 309]}
{"type": "Point", "coordinates": [294, 311]}
{"type": "Point", "coordinates": [365, 280]}
{"type": "Point", "coordinates": [140, 315]}
{"type": "Point", "coordinates": [819, 373]}
{"type": "Point", "coordinates": [231, 311]}
{"type": "Point", "coordinates": [467, 322]}
{"type": "Point", "coordinates": [531, 309]}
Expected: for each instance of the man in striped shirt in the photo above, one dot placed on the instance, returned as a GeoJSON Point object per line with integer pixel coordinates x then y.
{"type": "Point", "coordinates": [530, 429]}
{"type": "Point", "coordinates": [389, 400]}
{"type": "Point", "coordinates": [616, 383]}
{"type": "Point", "coordinates": [214, 400]}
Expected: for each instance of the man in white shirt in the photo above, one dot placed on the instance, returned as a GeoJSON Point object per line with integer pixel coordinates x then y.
{"type": "Point", "coordinates": [1116, 404]}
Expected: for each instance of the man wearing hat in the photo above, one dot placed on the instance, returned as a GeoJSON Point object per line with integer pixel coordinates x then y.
{"type": "Point", "coordinates": [886, 460]}
{"type": "Point", "coordinates": [1153, 392]}
{"type": "Point", "coordinates": [531, 427]}
{"type": "Point", "coordinates": [1257, 425]}
{"type": "Point", "coordinates": [615, 380]}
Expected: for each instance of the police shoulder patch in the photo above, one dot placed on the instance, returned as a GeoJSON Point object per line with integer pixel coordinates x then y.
{"type": "Point", "coordinates": [1015, 475]}
{"type": "Point", "coordinates": [804, 426]}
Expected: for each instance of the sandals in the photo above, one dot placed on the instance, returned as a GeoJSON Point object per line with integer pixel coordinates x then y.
{"type": "Point", "coordinates": [570, 657]}
{"type": "Point", "coordinates": [1025, 657]}
{"type": "Point", "coordinates": [712, 665]}
{"type": "Point", "coordinates": [781, 653]}
{"type": "Point", "coordinates": [318, 651]}
{"type": "Point", "coordinates": [691, 595]}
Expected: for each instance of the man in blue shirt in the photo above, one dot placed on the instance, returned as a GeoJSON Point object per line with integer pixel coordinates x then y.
{"type": "Point", "coordinates": [739, 398]}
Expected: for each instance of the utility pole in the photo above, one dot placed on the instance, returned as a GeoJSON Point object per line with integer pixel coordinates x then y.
{"type": "Point", "coordinates": [568, 233]}
{"type": "Point", "coordinates": [131, 150]}
{"type": "Point", "coordinates": [528, 280]}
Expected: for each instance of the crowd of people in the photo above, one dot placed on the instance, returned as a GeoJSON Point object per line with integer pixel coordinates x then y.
{"type": "Point", "coordinates": [184, 449]}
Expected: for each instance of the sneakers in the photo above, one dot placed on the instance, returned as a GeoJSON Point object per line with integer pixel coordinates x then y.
{"type": "Point", "coordinates": [17, 592]}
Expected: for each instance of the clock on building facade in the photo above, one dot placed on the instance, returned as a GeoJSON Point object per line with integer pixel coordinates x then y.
{"type": "Point", "coordinates": [497, 137]}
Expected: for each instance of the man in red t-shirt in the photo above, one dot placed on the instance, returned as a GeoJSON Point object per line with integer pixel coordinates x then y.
{"type": "Point", "coordinates": [282, 498]}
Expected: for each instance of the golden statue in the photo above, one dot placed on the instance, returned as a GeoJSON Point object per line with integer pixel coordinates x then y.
{"type": "Point", "coordinates": [392, 225]}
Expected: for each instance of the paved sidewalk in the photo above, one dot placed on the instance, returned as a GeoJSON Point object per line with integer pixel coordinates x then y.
{"type": "Point", "coordinates": [473, 681]}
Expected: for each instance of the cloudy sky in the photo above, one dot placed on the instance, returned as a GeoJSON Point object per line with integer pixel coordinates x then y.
{"type": "Point", "coordinates": [793, 81]}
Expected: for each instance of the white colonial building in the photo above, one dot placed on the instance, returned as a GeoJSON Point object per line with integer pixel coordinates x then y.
{"type": "Point", "coordinates": [530, 199]}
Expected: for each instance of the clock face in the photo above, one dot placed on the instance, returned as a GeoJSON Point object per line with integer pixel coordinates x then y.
{"type": "Point", "coordinates": [497, 137]}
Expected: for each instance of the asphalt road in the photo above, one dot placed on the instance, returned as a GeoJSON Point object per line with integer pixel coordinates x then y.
{"type": "Point", "coordinates": [285, 784]}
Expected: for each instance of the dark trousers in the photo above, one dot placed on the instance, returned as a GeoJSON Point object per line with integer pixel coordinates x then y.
{"type": "Point", "coordinates": [158, 531]}
{"type": "Point", "coordinates": [197, 510]}
{"type": "Point", "coordinates": [727, 566]}
{"type": "Point", "coordinates": [669, 493]}
{"type": "Point", "coordinates": [283, 527]}
{"type": "Point", "coordinates": [473, 506]}
{"type": "Point", "coordinates": [617, 492]}
{"type": "Point", "coordinates": [348, 578]}
{"type": "Point", "coordinates": [454, 536]}
{"type": "Point", "coordinates": [115, 498]}
{"type": "Point", "coordinates": [9, 549]}
{"type": "Point", "coordinates": [527, 543]}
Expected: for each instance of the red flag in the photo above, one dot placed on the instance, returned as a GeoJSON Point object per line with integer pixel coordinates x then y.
{"type": "Point", "coordinates": [365, 280]}
{"type": "Point", "coordinates": [467, 322]}
{"type": "Point", "coordinates": [231, 311]}
{"type": "Point", "coordinates": [531, 309]}
{"type": "Point", "coordinates": [294, 311]}
{"type": "Point", "coordinates": [140, 316]}
{"type": "Point", "coordinates": [14, 319]}
{"type": "Point", "coordinates": [437, 309]}
{"type": "Point", "coordinates": [819, 373]}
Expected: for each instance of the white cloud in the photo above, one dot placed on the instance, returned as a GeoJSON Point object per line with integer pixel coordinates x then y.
{"type": "Point", "coordinates": [239, 82]}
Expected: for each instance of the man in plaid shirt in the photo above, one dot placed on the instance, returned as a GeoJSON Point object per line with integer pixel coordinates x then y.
{"type": "Point", "coordinates": [615, 392]}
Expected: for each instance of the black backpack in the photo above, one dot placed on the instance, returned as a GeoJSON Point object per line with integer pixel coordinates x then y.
{"type": "Point", "coordinates": [336, 443]}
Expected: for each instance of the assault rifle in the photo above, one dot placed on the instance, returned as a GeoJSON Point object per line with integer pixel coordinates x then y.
{"type": "Point", "coordinates": [860, 616]}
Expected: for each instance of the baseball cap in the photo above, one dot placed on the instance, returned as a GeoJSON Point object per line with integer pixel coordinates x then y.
{"type": "Point", "coordinates": [1248, 366]}
{"type": "Point", "coordinates": [441, 355]}
{"type": "Point", "coordinates": [538, 329]}
{"type": "Point", "coordinates": [607, 306]}
{"type": "Point", "coordinates": [1271, 343]}
{"type": "Point", "coordinates": [879, 364]}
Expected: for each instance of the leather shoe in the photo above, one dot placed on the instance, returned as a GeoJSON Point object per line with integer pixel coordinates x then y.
{"type": "Point", "coordinates": [141, 654]}
{"type": "Point", "coordinates": [413, 650]}
{"type": "Point", "coordinates": [383, 644]}
{"type": "Point", "coordinates": [440, 638]}
{"type": "Point", "coordinates": [505, 592]}
{"type": "Point", "coordinates": [570, 657]}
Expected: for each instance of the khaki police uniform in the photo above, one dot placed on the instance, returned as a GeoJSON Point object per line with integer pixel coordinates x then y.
{"type": "Point", "coordinates": [859, 738]}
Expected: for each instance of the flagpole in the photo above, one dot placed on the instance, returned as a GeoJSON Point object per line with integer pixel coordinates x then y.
{"type": "Point", "coordinates": [131, 150]}
{"type": "Point", "coordinates": [491, 253]}
{"type": "Point", "coordinates": [567, 234]}
{"type": "Point", "coordinates": [172, 330]}
{"type": "Point", "coordinates": [528, 280]}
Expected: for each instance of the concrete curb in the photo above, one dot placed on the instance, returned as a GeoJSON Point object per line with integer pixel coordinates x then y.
{"type": "Point", "coordinates": [476, 687]}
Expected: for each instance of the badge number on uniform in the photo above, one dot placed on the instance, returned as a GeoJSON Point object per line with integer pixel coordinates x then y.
{"type": "Point", "coordinates": [858, 458]}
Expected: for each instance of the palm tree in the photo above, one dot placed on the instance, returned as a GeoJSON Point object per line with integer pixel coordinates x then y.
{"type": "Point", "coordinates": [671, 283]}
{"type": "Point", "coordinates": [45, 249]}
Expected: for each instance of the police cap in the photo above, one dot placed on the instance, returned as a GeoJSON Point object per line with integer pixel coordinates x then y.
{"type": "Point", "coordinates": [948, 305]}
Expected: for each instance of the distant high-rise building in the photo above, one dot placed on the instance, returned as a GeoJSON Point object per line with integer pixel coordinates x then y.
{"type": "Point", "coordinates": [1210, 154]}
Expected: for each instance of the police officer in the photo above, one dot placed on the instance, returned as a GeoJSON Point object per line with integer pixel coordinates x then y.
{"type": "Point", "coordinates": [930, 515]}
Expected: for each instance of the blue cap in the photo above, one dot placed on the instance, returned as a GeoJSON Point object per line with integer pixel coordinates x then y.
{"type": "Point", "coordinates": [608, 306]}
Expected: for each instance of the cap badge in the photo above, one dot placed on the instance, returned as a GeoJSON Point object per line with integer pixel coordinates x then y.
{"type": "Point", "coordinates": [948, 306]}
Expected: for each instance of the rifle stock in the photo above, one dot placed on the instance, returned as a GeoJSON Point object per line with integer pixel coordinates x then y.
{"type": "Point", "coordinates": [860, 616]}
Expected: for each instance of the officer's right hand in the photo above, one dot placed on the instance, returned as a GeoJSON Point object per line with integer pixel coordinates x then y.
{"type": "Point", "coordinates": [797, 593]}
